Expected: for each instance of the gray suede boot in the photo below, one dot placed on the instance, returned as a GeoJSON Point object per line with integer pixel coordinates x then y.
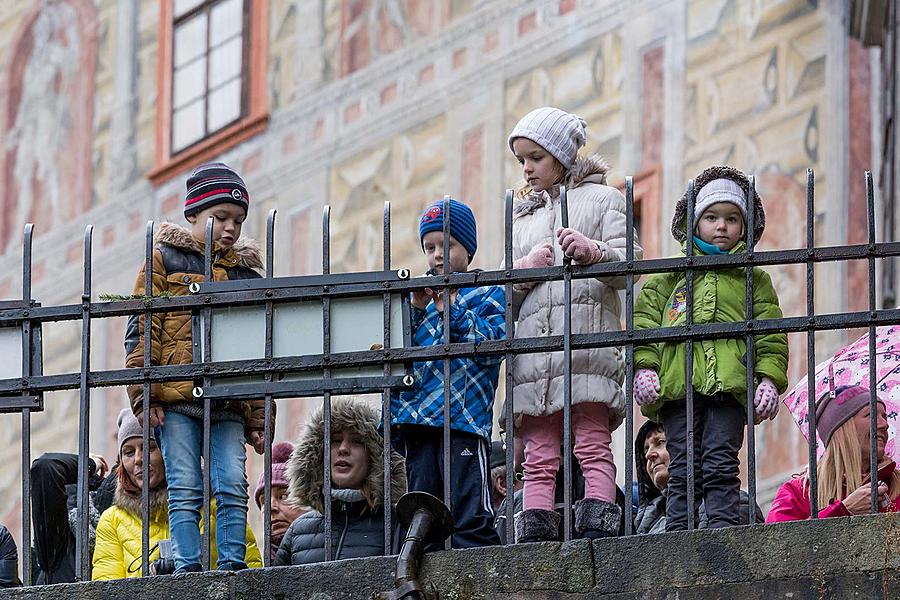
{"type": "Point", "coordinates": [597, 519]}
{"type": "Point", "coordinates": [537, 525]}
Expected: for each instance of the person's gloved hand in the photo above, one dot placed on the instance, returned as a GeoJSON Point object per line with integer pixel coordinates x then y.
{"type": "Point", "coordinates": [540, 256]}
{"type": "Point", "coordinates": [646, 387]}
{"type": "Point", "coordinates": [766, 399]}
{"type": "Point", "coordinates": [579, 247]}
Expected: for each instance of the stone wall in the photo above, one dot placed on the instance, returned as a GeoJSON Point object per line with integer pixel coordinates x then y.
{"type": "Point", "coordinates": [833, 559]}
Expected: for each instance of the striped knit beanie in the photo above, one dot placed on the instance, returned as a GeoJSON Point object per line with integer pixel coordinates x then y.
{"type": "Point", "coordinates": [556, 131]}
{"type": "Point", "coordinates": [214, 183]}
{"type": "Point", "coordinates": [462, 224]}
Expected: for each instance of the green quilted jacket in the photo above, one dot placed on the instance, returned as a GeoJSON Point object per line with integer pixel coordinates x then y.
{"type": "Point", "coordinates": [719, 365]}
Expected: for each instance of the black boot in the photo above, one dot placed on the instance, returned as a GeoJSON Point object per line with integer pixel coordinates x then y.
{"type": "Point", "coordinates": [537, 525]}
{"type": "Point", "coordinates": [596, 518]}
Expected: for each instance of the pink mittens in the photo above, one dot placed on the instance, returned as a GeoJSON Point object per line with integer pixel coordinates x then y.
{"type": "Point", "coordinates": [540, 256]}
{"type": "Point", "coordinates": [766, 399]}
{"type": "Point", "coordinates": [646, 387]}
{"type": "Point", "coordinates": [579, 247]}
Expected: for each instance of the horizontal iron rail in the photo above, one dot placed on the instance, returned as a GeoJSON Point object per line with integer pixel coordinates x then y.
{"type": "Point", "coordinates": [259, 291]}
{"type": "Point", "coordinates": [261, 366]}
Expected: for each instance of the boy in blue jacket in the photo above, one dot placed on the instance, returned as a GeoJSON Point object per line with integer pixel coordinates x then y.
{"type": "Point", "coordinates": [417, 414]}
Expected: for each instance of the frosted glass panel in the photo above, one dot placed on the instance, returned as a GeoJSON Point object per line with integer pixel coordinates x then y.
{"type": "Point", "coordinates": [227, 20]}
{"type": "Point", "coordinates": [190, 39]}
{"type": "Point", "coordinates": [11, 351]}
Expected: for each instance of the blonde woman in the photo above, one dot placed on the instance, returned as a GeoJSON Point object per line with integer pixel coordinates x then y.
{"type": "Point", "coordinates": [844, 485]}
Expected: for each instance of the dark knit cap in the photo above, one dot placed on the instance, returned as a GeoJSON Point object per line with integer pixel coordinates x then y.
{"type": "Point", "coordinates": [833, 410]}
{"type": "Point", "coordinates": [498, 454]}
{"type": "Point", "coordinates": [281, 452]}
{"type": "Point", "coordinates": [214, 183]}
{"type": "Point", "coordinates": [462, 223]}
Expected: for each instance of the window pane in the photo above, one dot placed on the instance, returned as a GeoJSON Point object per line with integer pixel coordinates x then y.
{"type": "Point", "coordinates": [227, 20]}
{"type": "Point", "coordinates": [224, 105]}
{"type": "Point", "coordinates": [187, 125]}
{"type": "Point", "coordinates": [225, 62]}
{"type": "Point", "coordinates": [190, 82]}
{"type": "Point", "coordinates": [183, 6]}
{"type": "Point", "coordinates": [190, 39]}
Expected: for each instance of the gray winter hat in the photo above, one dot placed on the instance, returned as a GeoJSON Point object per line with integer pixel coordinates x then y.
{"type": "Point", "coordinates": [130, 427]}
{"type": "Point", "coordinates": [720, 190]}
{"type": "Point", "coordinates": [560, 133]}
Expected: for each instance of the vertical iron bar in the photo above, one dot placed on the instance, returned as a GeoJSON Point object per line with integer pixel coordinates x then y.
{"type": "Point", "coordinates": [386, 392]}
{"type": "Point", "coordinates": [567, 379]}
{"type": "Point", "coordinates": [510, 333]}
{"type": "Point", "coordinates": [26, 413]}
{"type": "Point", "coordinates": [812, 471]}
{"type": "Point", "coordinates": [82, 550]}
{"type": "Point", "coordinates": [145, 405]}
{"type": "Point", "coordinates": [751, 361]}
{"type": "Point", "coordinates": [629, 351]}
{"type": "Point", "coordinates": [873, 357]}
{"type": "Point", "coordinates": [445, 297]}
{"type": "Point", "coordinates": [689, 354]}
{"type": "Point", "coordinates": [205, 551]}
{"type": "Point", "coordinates": [326, 375]}
{"type": "Point", "coordinates": [268, 407]}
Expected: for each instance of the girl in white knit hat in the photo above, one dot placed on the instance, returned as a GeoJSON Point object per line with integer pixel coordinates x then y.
{"type": "Point", "coordinates": [546, 143]}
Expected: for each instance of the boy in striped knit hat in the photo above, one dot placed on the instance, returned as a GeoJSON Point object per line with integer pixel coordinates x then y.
{"type": "Point", "coordinates": [417, 413]}
{"type": "Point", "coordinates": [214, 191]}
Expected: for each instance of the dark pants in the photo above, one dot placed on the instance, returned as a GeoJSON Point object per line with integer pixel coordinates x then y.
{"type": "Point", "coordinates": [470, 494]}
{"type": "Point", "coordinates": [718, 435]}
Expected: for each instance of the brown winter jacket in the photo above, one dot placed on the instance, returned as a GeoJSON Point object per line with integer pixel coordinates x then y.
{"type": "Point", "coordinates": [178, 261]}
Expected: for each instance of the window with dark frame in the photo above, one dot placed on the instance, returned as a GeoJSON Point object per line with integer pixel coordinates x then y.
{"type": "Point", "coordinates": [209, 68]}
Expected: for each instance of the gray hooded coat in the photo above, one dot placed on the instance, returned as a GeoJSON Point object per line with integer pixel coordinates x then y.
{"type": "Point", "coordinates": [357, 526]}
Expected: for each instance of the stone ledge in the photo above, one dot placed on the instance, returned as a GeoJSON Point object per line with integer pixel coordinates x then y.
{"type": "Point", "coordinates": [834, 558]}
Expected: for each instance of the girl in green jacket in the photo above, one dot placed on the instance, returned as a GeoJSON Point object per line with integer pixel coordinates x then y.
{"type": "Point", "coordinates": [719, 366]}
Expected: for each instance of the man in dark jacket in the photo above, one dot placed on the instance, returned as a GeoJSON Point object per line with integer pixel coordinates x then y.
{"type": "Point", "coordinates": [651, 461]}
{"type": "Point", "coordinates": [9, 560]}
{"type": "Point", "coordinates": [54, 478]}
{"type": "Point", "coordinates": [357, 488]}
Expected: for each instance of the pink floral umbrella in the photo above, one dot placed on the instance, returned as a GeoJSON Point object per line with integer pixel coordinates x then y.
{"type": "Point", "coordinates": [850, 366]}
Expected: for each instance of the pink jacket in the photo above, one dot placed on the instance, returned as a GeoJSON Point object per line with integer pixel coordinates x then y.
{"type": "Point", "coordinates": [791, 503]}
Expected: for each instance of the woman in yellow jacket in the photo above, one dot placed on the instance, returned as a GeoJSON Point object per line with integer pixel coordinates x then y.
{"type": "Point", "coordinates": [117, 550]}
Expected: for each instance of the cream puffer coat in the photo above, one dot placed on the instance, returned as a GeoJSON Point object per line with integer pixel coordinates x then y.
{"type": "Point", "coordinates": [597, 211]}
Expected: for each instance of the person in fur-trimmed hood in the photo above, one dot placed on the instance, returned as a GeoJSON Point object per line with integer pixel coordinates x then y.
{"type": "Point", "coordinates": [546, 143]}
{"type": "Point", "coordinates": [118, 549]}
{"type": "Point", "coordinates": [357, 487]}
{"type": "Point", "coordinates": [214, 191]}
{"type": "Point", "coordinates": [719, 366]}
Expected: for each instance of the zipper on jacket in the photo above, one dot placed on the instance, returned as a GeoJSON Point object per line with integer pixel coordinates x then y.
{"type": "Point", "coordinates": [340, 544]}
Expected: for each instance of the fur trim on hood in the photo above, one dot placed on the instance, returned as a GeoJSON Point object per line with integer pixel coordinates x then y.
{"type": "Point", "coordinates": [247, 251]}
{"type": "Point", "coordinates": [132, 502]}
{"type": "Point", "coordinates": [679, 221]}
{"type": "Point", "coordinates": [587, 169]}
{"type": "Point", "coordinates": [306, 472]}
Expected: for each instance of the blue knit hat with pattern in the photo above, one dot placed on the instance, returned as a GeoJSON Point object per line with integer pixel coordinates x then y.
{"type": "Point", "coordinates": [462, 224]}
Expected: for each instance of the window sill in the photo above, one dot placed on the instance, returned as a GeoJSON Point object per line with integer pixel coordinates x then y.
{"type": "Point", "coordinates": [214, 145]}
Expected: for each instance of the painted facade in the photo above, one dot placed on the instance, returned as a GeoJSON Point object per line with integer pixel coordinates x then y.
{"type": "Point", "coordinates": [407, 100]}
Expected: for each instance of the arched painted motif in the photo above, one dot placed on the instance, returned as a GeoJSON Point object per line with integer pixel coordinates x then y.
{"type": "Point", "coordinates": [48, 124]}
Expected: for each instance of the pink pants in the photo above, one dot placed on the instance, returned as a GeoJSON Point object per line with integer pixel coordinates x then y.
{"type": "Point", "coordinates": [543, 437]}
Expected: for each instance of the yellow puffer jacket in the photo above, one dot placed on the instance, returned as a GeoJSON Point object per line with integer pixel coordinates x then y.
{"type": "Point", "coordinates": [117, 553]}
{"type": "Point", "coordinates": [178, 261]}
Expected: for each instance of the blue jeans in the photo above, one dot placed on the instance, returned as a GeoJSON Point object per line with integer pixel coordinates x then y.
{"type": "Point", "coordinates": [180, 440]}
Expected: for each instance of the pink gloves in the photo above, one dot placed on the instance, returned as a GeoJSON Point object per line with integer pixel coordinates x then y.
{"type": "Point", "coordinates": [579, 247]}
{"type": "Point", "coordinates": [540, 256]}
{"type": "Point", "coordinates": [766, 399]}
{"type": "Point", "coordinates": [646, 387]}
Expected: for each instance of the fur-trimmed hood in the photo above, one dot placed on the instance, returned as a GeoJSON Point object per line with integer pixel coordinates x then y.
{"type": "Point", "coordinates": [587, 169]}
{"type": "Point", "coordinates": [679, 220]}
{"type": "Point", "coordinates": [246, 251]}
{"type": "Point", "coordinates": [131, 503]}
{"type": "Point", "coordinates": [306, 472]}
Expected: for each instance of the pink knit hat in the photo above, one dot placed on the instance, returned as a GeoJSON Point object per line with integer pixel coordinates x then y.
{"type": "Point", "coordinates": [281, 452]}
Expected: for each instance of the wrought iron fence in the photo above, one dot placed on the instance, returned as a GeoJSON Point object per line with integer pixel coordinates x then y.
{"type": "Point", "coordinates": [275, 374]}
